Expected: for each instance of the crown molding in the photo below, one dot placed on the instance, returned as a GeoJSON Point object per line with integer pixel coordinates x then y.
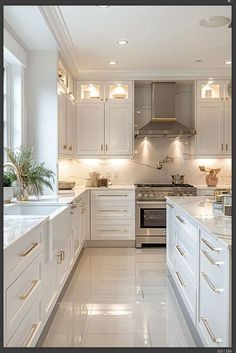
{"type": "Point", "coordinates": [55, 21]}
{"type": "Point", "coordinates": [164, 74]}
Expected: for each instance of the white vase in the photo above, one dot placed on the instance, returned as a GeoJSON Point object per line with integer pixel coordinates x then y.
{"type": "Point", "coordinates": [7, 194]}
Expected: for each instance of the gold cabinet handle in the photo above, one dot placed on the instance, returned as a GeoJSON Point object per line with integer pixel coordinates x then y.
{"type": "Point", "coordinates": [222, 98]}
{"type": "Point", "coordinates": [70, 148]}
{"type": "Point", "coordinates": [211, 247]}
{"type": "Point", "coordinates": [64, 147]}
{"type": "Point", "coordinates": [226, 146]}
{"type": "Point", "coordinates": [180, 219]}
{"type": "Point", "coordinates": [101, 147]}
{"type": "Point", "coordinates": [32, 332]}
{"type": "Point", "coordinates": [180, 279]}
{"type": "Point", "coordinates": [106, 147]}
{"type": "Point", "coordinates": [211, 260]}
{"type": "Point", "coordinates": [63, 255]}
{"type": "Point", "coordinates": [59, 257]}
{"type": "Point", "coordinates": [222, 147]}
{"type": "Point", "coordinates": [32, 286]}
{"type": "Point", "coordinates": [212, 336]}
{"type": "Point", "coordinates": [180, 251]}
{"type": "Point", "coordinates": [125, 211]}
{"type": "Point", "coordinates": [211, 285]}
{"type": "Point", "coordinates": [29, 250]}
{"type": "Point", "coordinates": [101, 99]}
{"type": "Point", "coordinates": [112, 195]}
{"type": "Point", "coordinates": [112, 230]}
{"type": "Point", "coordinates": [106, 99]}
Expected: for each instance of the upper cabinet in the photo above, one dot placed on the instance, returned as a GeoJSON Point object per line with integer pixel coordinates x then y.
{"type": "Point", "coordinates": [105, 119]}
{"type": "Point", "coordinates": [213, 119]}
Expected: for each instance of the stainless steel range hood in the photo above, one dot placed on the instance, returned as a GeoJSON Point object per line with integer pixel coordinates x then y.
{"type": "Point", "coordinates": [164, 122]}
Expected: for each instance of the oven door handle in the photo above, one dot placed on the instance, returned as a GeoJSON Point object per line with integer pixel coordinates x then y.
{"type": "Point", "coordinates": [158, 203]}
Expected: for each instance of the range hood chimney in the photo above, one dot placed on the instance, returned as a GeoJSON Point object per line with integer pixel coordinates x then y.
{"type": "Point", "coordinates": [164, 122]}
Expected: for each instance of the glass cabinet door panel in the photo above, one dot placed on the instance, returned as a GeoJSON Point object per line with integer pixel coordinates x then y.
{"type": "Point", "coordinates": [91, 92]}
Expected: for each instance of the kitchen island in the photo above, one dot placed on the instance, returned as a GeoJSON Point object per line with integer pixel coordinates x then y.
{"type": "Point", "coordinates": [199, 265]}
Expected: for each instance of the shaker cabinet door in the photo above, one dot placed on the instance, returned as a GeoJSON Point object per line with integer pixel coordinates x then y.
{"type": "Point", "coordinates": [118, 130]}
{"type": "Point", "coordinates": [90, 130]}
{"type": "Point", "coordinates": [62, 124]}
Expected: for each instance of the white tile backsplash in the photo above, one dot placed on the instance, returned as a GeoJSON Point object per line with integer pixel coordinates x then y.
{"type": "Point", "coordinates": [147, 152]}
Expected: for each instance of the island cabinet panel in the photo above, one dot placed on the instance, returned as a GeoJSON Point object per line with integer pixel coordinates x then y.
{"type": "Point", "coordinates": [200, 264]}
{"type": "Point", "coordinates": [214, 313]}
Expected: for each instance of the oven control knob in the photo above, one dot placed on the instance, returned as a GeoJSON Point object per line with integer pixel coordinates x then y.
{"type": "Point", "coordinates": [139, 195]}
{"type": "Point", "coordinates": [190, 194]}
{"type": "Point", "coordinates": [151, 195]}
{"type": "Point", "coordinates": [145, 195]}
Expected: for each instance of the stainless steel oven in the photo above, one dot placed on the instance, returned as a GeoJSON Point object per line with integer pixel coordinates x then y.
{"type": "Point", "coordinates": [150, 211]}
{"type": "Point", "coordinates": [150, 222]}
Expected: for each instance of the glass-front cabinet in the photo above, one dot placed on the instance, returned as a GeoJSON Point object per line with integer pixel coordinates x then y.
{"type": "Point", "coordinates": [210, 91]}
{"type": "Point", "coordinates": [103, 91]}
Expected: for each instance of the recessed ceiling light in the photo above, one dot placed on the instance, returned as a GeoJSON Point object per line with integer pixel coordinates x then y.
{"type": "Point", "coordinates": [214, 21]}
{"type": "Point", "coordinates": [228, 62]}
{"type": "Point", "coordinates": [103, 6]}
{"type": "Point", "coordinates": [198, 60]}
{"type": "Point", "coordinates": [112, 62]}
{"type": "Point", "coordinates": [122, 42]}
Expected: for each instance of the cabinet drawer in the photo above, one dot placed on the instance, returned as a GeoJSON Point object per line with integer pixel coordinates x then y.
{"type": "Point", "coordinates": [213, 314]}
{"type": "Point", "coordinates": [28, 332]}
{"type": "Point", "coordinates": [186, 287]}
{"type": "Point", "coordinates": [113, 230]}
{"type": "Point", "coordinates": [112, 195]}
{"type": "Point", "coordinates": [111, 210]}
{"type": "Point", "coordinates": [186, 249]}
{"type": "Point", "coordinates": [21, 254]}
{"type": "Point", "coordinates": [185, 225]}
{"type": "Point", "coordinates": [22, 293]}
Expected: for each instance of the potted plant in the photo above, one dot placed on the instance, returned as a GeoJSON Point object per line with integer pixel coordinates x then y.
{"type": "Point", "coordinates": [31, 176]}
{"type": "Point", "coordinates": [8, 178]}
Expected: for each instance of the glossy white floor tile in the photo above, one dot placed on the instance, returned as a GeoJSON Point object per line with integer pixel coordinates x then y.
{"type": "Point", "coordinates": [119, 297]}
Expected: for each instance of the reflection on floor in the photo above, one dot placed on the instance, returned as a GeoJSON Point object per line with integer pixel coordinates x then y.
{"type": "Point", "coordinates": [119, 297]}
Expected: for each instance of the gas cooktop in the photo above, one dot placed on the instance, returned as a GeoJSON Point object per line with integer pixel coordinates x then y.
{"type": "Point", "coordinates": [163, 185]}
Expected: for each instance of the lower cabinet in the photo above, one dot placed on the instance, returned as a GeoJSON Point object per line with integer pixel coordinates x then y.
{"type": "Point", "coordinates": [200, 266]}
{"type": "Point", "coordinates": [214, 293]}
{"type": "Point", "coordinates": [112, 215]}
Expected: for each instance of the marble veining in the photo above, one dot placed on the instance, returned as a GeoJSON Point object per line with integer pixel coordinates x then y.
{"type": "Point", "coordinates": [17, 226]}
{"type": "Point", "coordinates": [200, 209]}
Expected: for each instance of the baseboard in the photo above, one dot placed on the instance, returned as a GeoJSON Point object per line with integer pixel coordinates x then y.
{"type": "Point", "coordinates": [110, 244]}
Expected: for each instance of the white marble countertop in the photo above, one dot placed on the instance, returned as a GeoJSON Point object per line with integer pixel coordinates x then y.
{"type": "Point", "coordinates": [200, 209]}
{"type": "Point", "coordinates": [67, 196]}
{"type": "Point", "coordinates": [218, 186]}
{"type": "Point", "coordinates": [17, 226]}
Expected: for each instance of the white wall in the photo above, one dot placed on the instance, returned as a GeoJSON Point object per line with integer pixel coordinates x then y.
{"type": "Point", "coordinates": [43, 107]}
{"type": "Point", "coordinates": [147, 152]}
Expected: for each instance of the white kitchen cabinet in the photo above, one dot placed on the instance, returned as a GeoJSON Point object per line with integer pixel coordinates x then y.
{"type": "Point", "coordinates": [112, 215]}
{"type": "Point", "coordinates": [62, 123]}
{"type": "Point", "coordinates": [105, 119]}
{"type": "Point", "coordinates": [214, 292]}
{"type": "Point", "coordinates": [170, 237]}
{"type": "Point", "coordinates": [75, 216]}
{"type": "Point", "coordinates": [118, 130]}
{"type": "Point", "coordinates": [90, 130]}
{"type": "Point", "coordinates": [66, 124]}
{"type": "Point", "coordinates": [213, 119]}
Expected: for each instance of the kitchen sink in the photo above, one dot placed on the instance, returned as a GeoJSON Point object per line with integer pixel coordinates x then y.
{"type": "Point", "coordinates": [31, 210]}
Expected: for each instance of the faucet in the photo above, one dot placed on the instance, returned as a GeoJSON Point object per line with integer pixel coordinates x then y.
{"type": "Point", "coordinates": [167, 160]}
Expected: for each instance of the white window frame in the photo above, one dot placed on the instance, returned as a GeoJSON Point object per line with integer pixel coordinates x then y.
{"type": "Point", "coordinates": [7, 75]}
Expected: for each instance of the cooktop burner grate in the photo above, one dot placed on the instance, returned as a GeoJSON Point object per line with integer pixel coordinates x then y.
{"type": "Point", "coordinates": [163, 185]}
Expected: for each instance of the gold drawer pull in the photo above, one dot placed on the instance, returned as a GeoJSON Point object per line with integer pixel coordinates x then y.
{"type": "Point", "coordinates": [211, 285]}
{"type": "Point", "coordinates": [106, 147]}
{"type": "Point", "coordinates": [101, 147]}
{"type": "Point", "coordinates": [211, 334]}
{"type": "Point", "coordinates": [70, 148]}
{"type": "Point", "coordinates": [180, 251]}
{"type": "Point", "coordinates": [64, 147]}
{"type": "Point", "coordinates": [210, 246]}
{"type": "Point", "coordinates": [113, 211]}
{"type": "Point", "coordinates": [211, 260]}
{"type": "Point", "coordinates": [180, 279]}
{"type": "Point", "coordinates": [29, 250]}
{"type": "Point", "coordinates": [32, 332]}
{"type": "Point", "coordinates": [180, 219]}
{"type": "Point", "coordinates": [33, 284]}
{"type": "Point", "coordinates": [110, 195]}
{"type": "Point", "coordinates": [112, 230]}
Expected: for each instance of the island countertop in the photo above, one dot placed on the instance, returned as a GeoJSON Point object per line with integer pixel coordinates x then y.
{"type": "Point", "coordinates": [200, 209]}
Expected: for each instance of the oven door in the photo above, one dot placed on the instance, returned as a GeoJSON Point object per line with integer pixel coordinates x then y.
{"type": "Point", "coordinates": [150, 218]}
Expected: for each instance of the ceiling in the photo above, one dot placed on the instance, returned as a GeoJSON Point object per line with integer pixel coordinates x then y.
{"type": "Point", "coordinates": [159, 37]}
{"type": "Point", "coordinates": [30, 26]}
